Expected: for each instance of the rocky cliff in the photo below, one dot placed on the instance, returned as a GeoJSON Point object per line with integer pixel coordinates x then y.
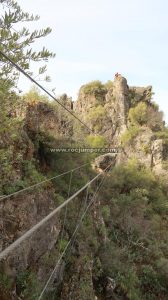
{"type": "Point", "coordinates": [108, 111]}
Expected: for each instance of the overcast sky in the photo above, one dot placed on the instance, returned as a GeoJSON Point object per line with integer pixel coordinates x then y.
{"type": "Point", "coordinates": [94, 39]}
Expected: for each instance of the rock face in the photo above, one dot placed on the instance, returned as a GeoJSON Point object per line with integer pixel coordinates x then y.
{"type": "Point", "coordinates": [115, 104]}
{"type": "Point", "coordinates": [22, 215]}
{"type": "Point", "coordinates": [157, 152]}
{"type": "Point", "coordinates": [103, 161]}
{"type": "Point", "coordinates": [159, 155]}
{"type": "Point", "coordinates": [89, 99]}
{"type": "Point", "coordinates": [118, 105]}
{"type": "Point", "coordinates": [66, 101]}
{"type": "Point", "coordinates": [111, 106]}
{"type": "Point", "coordinates": [139, 148]}
{"type": "Point", "coordinates": [42, 118]}
{"type": "Point", "coordinates": [120, 93]}
{"type": "Point", "coordinates": [19, 214]}
{"type": "Point", "coordinates": [141, 93]}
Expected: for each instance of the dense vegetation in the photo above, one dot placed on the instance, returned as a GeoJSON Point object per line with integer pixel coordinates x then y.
{"type": "Point", "coordinates": [136, 215]}
{"type": "Point", "coordinates": [124, 237]}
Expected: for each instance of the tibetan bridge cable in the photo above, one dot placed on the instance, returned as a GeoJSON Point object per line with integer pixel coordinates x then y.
{"type": "Point", "coordinates": [42, 88]}
{"type": "Point", "coordinates": [28, 233]}
{"type": "Point", "coordinates": [73, 236]}
{"type": "Point", "coordinates": [41, 182]}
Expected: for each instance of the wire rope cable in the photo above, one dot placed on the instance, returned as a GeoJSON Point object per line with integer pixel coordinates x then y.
{"type": "Point", "coordinates": [73, 235]}
{"type": "Point", "coordinates": [41, 182]}
{"type": "Point", "coordinates": [66, 210]}
{"type": "Point", "coordinates": [42, 88]}
{"type": "Point", "coordinates": [28, 233]}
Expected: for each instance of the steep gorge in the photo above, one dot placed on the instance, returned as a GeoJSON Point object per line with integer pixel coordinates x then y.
{"type": "Point", "coordinates": [121, 249]}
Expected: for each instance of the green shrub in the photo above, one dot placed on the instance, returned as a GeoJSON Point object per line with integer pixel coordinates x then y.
{"type": "Point", "coordinates": [109, 84]}
{"type": "Point", "coordinates": [30, 176]}
{"type": "Point", "coordinates": [98, 271]}
{"type": "Point", "coordinates": [146, 148]}
{"type": "Point", "coordinates": [96, 117]}
{"type": "Point", "coordinates": [30, 172]}
{"type": "Point", "coordinates": [146, 114]}
{"type": "Point", "coordinates": [96, 141]}
{"type": "Point", "coordinates": [162, 267]}
{"type": "Point", "coordinates": [94, 87]}
{"type": "Point", "coordinates": [59, 199]}
{"type": "Point", "coordinates": [62, 245]}
{"type": "Point", "coordinates": [150, 281]}
{"type": "Point", "coordinates": [28, 285]}
{"type": "Point", "coordinates": [5, 282]}
{"type": "Point", "coordinates": [124, 180]}
{"type": "Point", "coordinates": [106, 213]}
{"type": "Point", "coordinates": [96, 112]}
{"type": "Point", "coordinates": [155, 105]}
{"type": "Point", "coordinates": [162, 134]}
{"type": "Point", "coordinates": [34, 96]}
{"type": "Point", "coordinates": [165, 164]}
{"type": "Point", "coordinates": [102, 230]}
{"type": "Point", "coordinates": [128, 136]}
{"type": "Point", "coordinates": [138, 114]}
{"type": "Point", "coordinates": [129, 284]}
{"type": "Point", "coordinates": [136, 232]}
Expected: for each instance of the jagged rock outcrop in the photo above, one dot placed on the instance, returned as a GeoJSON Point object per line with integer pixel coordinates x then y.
{"type": "Point", "coordinates": [140, 93]}
{"type": "Point", "coordinates": [115, 104]}
{"type": "Point", "coordinates": [43, 118]}
{"type": "Point", "coordinates": [18, 215]}
{"type": "Point", "coordinates": [139, 148]}
{"type": "Point", "coordinates": [103, 161]}
{"type": "Point", "coordinates": [120, 94]}
{"type": "Point", "coordinates": [89, 98]}
{"type": "Point", "coordinates": [107, 115]}
{"type": "Point", "coordinates": [66, 101]}
{"type": "Point", "coordinates": [157, 148]}
{"type": "Point", "coordinates": [159, 156]}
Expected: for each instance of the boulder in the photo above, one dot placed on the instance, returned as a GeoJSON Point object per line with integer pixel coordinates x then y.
{"type": "Point", "coordinates": [103, 161]}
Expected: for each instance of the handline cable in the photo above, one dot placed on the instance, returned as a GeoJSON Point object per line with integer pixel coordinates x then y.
{"type": "Point", "coordinates": [39, 183]}
{"type": "Point", "coordinates": [80, 210]}
{"type": "Point", "coordinates": [66, 209]}
{"type": "Point", "coordinates": [28, 233]}
{"type": "Point", "coordinates": [86, 197]}
{"type": "Point", "coordinates": [85, 202]}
